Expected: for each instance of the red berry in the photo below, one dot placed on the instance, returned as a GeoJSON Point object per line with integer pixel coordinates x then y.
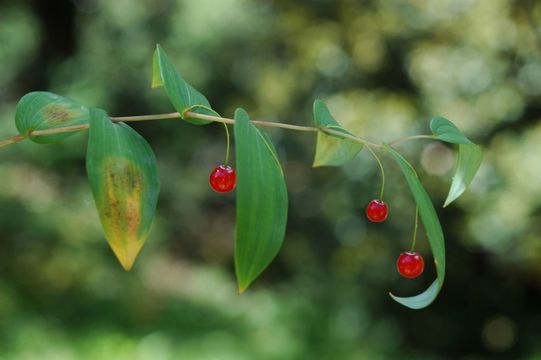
{"type": "Point", "coordinates": [377, 211]}
{"type": "Point", "coordinates": [223, 179]}
{"type": "Point", "coordinates": [410, 264]}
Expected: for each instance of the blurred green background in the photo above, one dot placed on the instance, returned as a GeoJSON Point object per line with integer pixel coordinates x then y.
{"type": "Point", "coordinates": [384, 68]}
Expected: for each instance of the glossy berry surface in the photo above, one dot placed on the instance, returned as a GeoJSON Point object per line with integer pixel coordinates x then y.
{"type": "Point", "coordinates": [410, 264]}
{"type": "Point", "coordinates": [223, 179]}
{"type": "Point", "coordinates": [377, 211]}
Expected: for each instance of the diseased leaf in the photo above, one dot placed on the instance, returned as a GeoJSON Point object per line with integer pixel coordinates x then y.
{"type": "Point", "coordinates": [123, 177]}
{"type": "Point", "coordinates": [182, 95]}
{"type": "Point", "coordinates": [470, 156]}
{"type": "Point", "coordinates": [331, 149]}
{"type": "Point", "coordinates": [44, 111]}
{"type": "Point", "coordinates": [261, 201]}
{"type": "Point", "coordinates": [432, 226]}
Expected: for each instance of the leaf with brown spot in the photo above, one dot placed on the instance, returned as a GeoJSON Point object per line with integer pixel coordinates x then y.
{"type": "Point", "coordinates": [44, 111]}
{"type": "Point", "coordinates": [123, 176]}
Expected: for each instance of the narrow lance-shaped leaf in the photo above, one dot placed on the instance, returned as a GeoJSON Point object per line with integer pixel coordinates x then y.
{"type": "Point", "coordinates": [182, 95]}
{"type": "Point", "coordinates": [45, 111]}
{"type": "Point", "coordinates": [261, 201]}
{"type": "Point", "coordinates": [433, 230]}
{"type": "Point", "coordinates": [470, 156]}
{"type": "Point", "coordinates": [123, 177]}
{"type": "Point", "coordinates": [331, 149]}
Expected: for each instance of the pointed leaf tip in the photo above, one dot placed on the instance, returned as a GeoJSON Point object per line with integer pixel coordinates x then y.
{"type": "Point", "coordinates": [126, 255]}
{"type": "Point", "coordinates": [157, 80]}
{"type": "Point", "coordinates": [242, 289]}
{"type": "Point", "coordinates": [419, 301]}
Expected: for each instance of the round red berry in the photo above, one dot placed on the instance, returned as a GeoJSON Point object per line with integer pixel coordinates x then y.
{"type": "Point", "coordinates": [223, 179]}
{"type": "Point", "coordinates": [410, 264]}
{"type": "Point", "coordinates": [377, 211]}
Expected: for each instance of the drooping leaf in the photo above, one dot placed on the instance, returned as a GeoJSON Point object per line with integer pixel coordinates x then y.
{"type": "Point", "coordinates": [261, 201]}
{"type": "Point", "coordinates": [433, 230]}
{"type": "Point", "coordinates": [331, 149]}
{"type": "Point", "coordinates": [183, 96]}
{"type": "Point", "coordinates": [469, 161]}
{"type": "Point", "coordinates": [123, 177]}
{"type": "Point", "coordinates": [470, 156]}
{"type": "Point", "coordinates": [45, 111]}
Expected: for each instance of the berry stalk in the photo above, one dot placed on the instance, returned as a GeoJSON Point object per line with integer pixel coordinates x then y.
{"type": "Point", "coordinates": [228, 146]}
{"type": "Point", "coordinates": [415, 228]}
{"type": "Point", "coordinates": [382, 172]}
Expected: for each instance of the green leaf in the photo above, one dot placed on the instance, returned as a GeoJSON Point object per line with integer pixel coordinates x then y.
{"type": "Point", "coordinates": [469, 161]}
{"type": "Point", "coordinates": [445, 130]}
{"type": "Point", "coordinates": [123, 177]}
{"type": "Point", "coordinates": [182, 95]}
{"type": "Point", "coordinates": [331, 149]}
{"type": "Point", "coordinates": [433, 230]}
{"type": "Point", "coordinates": [470, 156]}
{"type": "Point", "coordinates": [261, 201]}
{"type": "Point", "coordinates": [45, 111]}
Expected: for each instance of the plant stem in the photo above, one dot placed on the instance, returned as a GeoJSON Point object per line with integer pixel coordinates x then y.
{"type": "Point", "coordinates": [415, 228]}
{"type": "Point", "coordinates": [227, 146]}
{"type": "Point", "coordinates": [382, 172]}
{"type": "Point", "coordinates": [351, 137]}
{"type": "Point", "coordinates": [256, 122]}
{"type": "Point", "coordinates": [283, 126]}
{"type": "Point", "coordinates": [59, 130]}
{"type": "Point", "coordinates": [176, 115]}
{"type": "Point", "coordinates": [408, 138]}
{"type": "Point", "coordinates": [11, 140]}
{"type": "Point", "coordinates": [168, 116]}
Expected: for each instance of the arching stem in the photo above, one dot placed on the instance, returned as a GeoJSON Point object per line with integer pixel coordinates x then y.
{"type": "Point", "coordinates": [382, 172]}
{"type": "Point", "coordinates": [227, 148]}
{"type": "Point", "coordinates": [415, 228]}
{"type": "Point", "coordinates": [409, 138]}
